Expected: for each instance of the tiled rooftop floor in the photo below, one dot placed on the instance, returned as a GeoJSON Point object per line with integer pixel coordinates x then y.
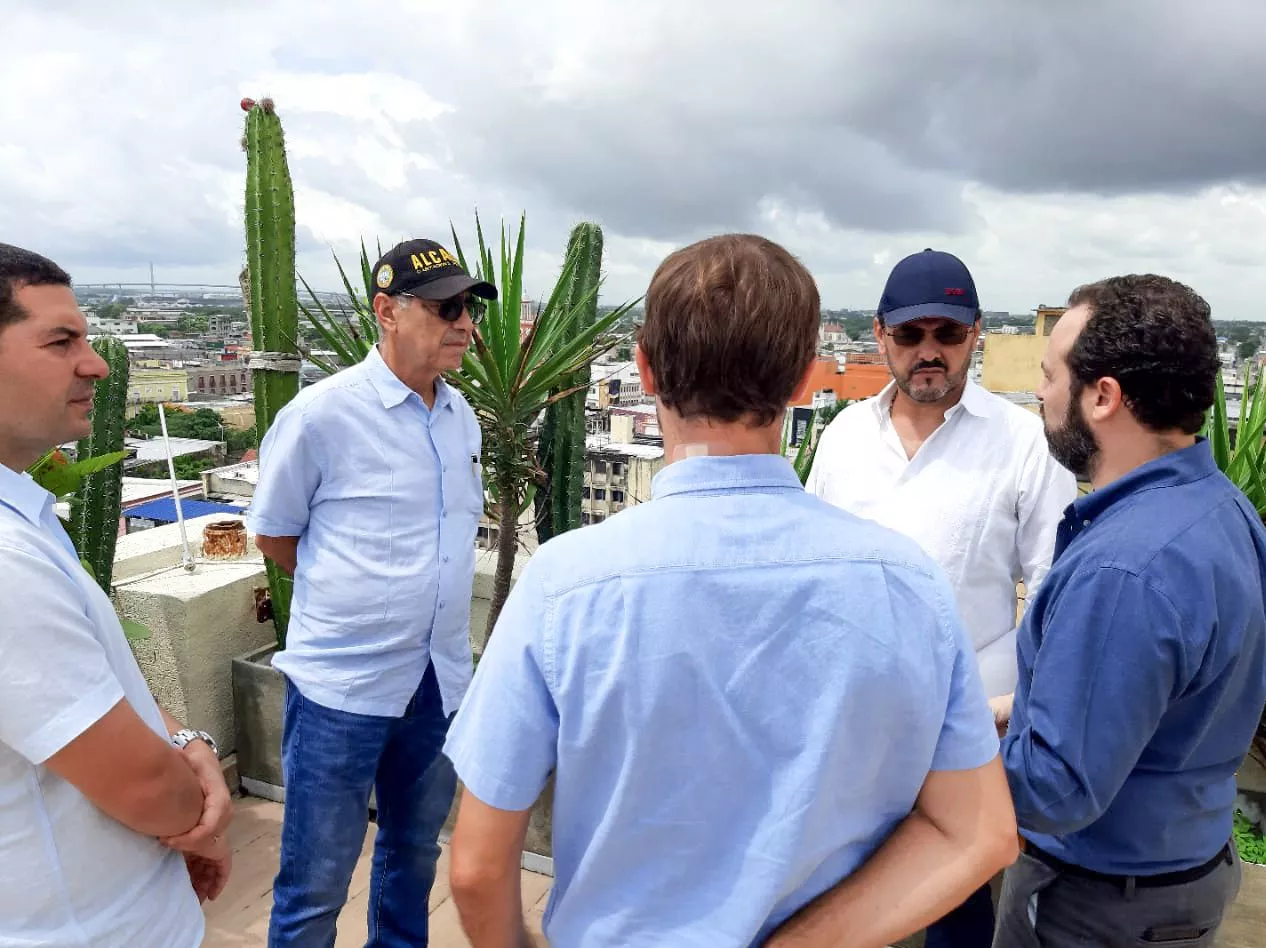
{"type": "Point", "coordinates": [239, 918]}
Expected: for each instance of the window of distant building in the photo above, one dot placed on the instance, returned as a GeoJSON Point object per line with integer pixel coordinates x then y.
{"type": "Point", "coordinates": [617, 496]}
{"type": "Point", "coordinates": [600, 467]}
{"type": "Point", "coordinates": [584, 518]}
{"type": "Point", "coordinates": [617, 468]}
{"type": "Point", "coordinates": [598, 518]}
{"type": "Point", "coordinates": [584, 492]}
{"type": "Point", "coordinates": [599, 494]}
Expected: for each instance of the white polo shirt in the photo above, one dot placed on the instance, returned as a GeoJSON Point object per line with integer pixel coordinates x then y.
{"type": "Point", "coordinates": [982, 496]}
{"type": "Point", "coordinates": [70, 876]}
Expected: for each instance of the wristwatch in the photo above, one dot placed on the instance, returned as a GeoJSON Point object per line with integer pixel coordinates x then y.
{"type": "Point", "coordinates": [182, 737]}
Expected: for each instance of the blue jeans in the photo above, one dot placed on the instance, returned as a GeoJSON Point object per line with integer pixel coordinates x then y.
{"type": "Point", "coordinates": [331, 760]}
{"type": "Point", "coordinates": [968, 926]}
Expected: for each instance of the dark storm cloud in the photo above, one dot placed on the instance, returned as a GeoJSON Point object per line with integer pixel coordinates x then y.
{"type": "Point", "coordinates": [878, 114]}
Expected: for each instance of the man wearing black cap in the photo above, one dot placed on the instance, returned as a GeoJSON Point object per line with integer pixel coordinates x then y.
{"type": "Point", "coordinates": [370, 495]}
{"type": "Point", "coordinates": [964, 472]}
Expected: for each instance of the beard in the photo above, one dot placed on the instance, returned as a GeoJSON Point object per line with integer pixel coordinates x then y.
{"type": "Point", "coordinates": [930, 389]}
{"type": "Point", "coordinates": [1073, 444]}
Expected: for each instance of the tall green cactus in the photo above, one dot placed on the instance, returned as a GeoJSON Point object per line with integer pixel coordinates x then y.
{"type": "Point", "coordinates": [562, 441]}
{"type": "Point", "coordinates": [94, 516]}
{"type": "Point", "coordinates": [269, 290]}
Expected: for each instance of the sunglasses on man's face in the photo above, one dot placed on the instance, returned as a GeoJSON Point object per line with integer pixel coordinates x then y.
{"type": "Point", "coordinates": [947, 334]}
{"type": "Point", "coordinates": [450, 310]}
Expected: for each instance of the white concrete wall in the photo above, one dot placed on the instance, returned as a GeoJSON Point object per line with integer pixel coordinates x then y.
{"type": "Point", "coordinates": [199, 621]}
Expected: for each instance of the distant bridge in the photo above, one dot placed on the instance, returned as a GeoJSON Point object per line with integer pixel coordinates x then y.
{"type": "Point", "coordinates": [142, 290]}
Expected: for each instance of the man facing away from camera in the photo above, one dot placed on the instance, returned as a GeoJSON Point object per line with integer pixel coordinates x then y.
{"type": "Point", "coordinates": [101, 791]}
{"type": "Point", "coordinates": [370, 495]}
{"type": "Point", "coordinates": [763, 715]}
{"type": "Point", "coordinates": [1143, 655]}
{"type": "Point", "coordinates": [958, 469]}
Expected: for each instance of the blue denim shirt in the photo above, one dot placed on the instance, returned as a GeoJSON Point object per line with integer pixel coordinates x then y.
{"type": "Point", "coordinates": [740, 689]}
{"type": "Point", "coordinates": [1142, 671]}
{"type": "Point", "coordinates": [385, 497]}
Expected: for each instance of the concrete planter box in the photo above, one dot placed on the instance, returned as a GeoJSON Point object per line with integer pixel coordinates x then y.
{"type": "Point", "coordinates": [259, 695]}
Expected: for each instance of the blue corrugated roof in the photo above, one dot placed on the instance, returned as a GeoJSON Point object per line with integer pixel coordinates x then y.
{"type": "Point", "coordinates": [164, 510]}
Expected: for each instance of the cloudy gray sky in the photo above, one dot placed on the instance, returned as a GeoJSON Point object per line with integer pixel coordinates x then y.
{"type": "Point", "coordinates": [1045, 148]}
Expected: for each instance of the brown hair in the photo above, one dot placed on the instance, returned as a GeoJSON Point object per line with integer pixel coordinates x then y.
{"type": "Point", "coordinates": [731, 327]}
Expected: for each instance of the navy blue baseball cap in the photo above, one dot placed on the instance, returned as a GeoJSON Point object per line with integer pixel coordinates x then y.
{"type": "Point", "coordinates": [926, 285]}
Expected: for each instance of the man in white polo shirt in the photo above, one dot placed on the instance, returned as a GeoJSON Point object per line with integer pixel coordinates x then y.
{"type": "Point", "coordinates": [100, 790]}
{"type": "Point", "coordinates": [962, 471]}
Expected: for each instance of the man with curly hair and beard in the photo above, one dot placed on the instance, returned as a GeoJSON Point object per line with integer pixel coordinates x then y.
{"type": "Point", "coordinates": [1143, 655]}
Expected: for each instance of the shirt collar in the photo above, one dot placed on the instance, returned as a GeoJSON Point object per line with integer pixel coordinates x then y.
{"type": "Point", "coordinates": [19, 491]}
{"type": "Point", "coordinates": [1169, 470]}
{"type": "Point", "coordinates": [975, 401]}
{"type": "Point", "coordinates": [694, 475]}
{"type": "Point", "coordinates": [394, 392]}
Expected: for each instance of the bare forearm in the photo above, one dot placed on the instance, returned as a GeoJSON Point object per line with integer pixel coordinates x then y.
{"type": "Point", "coordinates": [492, 915]}
{"type": "Point", "coordinates": [915, 878]}
{"type": "Point", "coordinates": [284, 551]}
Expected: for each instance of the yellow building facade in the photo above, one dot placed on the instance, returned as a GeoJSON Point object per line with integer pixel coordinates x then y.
{"type": "Point", "coordinates": [1013, 363]}
{"type": "Point", "coordinates": [150, 386]}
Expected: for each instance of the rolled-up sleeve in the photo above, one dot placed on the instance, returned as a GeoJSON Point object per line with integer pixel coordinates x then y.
{"type": "Point", "coordinates": [1109, 660]}
{"type": "Point", "coordinates": [504, 740]}
{"type": "Point", "coordinates": [289, 475]}
{"type": "Point", "coordinates": [55, 678]}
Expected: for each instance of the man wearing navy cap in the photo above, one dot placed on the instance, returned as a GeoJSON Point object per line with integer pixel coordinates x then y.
{"type": "Point", "coordinates": [370, 495]}
{"type": "Point", "coordinates": [964, 472]}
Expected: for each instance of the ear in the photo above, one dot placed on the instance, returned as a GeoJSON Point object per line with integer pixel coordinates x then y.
{"type": "Point", "coordinates": [1108, 400]}
{"type": "Point", "coordinates": [385, 310]}
{"type": "Point", "coordinates": [644, 370]}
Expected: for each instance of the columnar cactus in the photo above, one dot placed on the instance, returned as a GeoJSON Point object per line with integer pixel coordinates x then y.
{"type": "Point", "coordinates": [269, 290]}
{"type": "Point", "coordinates": [562, 443]}
{"type": "Point", "coordinates": [96, 504]}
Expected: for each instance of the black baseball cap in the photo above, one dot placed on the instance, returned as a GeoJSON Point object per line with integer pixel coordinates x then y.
{"type": "Point", "coordinates": [426, 270]}
{"type": "Point", "coordinates": [928, 284]}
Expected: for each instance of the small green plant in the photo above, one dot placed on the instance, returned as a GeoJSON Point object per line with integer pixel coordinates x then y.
{"type": "Point", "coordinates": [1250, 842]}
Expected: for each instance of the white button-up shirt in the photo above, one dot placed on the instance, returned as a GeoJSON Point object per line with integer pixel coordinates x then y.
{"type": "Point", "coordinates": [982, 496]}
{"type": "Point", "coordinates": [69, 874]}
{"type": "Point", "coordinates": [385, 496]}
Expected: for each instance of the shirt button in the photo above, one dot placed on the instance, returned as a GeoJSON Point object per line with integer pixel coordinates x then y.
{"type": "Point", "coordinates": [441, 603]}
{"type": "Point", "coordinates": [443, 513]}
{"type": "Point", "coordinates": [1085, 523]}
{"type": "Point", "coordinates": [444, 559]}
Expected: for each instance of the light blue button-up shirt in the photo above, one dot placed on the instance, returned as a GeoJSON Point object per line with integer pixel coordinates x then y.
{"type": "Point", "coordinates": [741, 690]}
{"type": "Point", "coordinates": [385, 497]}
{"type": "Point", "coordinates": [69, 874]}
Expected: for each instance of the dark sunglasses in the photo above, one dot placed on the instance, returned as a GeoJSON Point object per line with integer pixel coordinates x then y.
{"type": "Point", "coordinates": [947, 334]}
{"type": "Point", "coordinates": [450, 310]}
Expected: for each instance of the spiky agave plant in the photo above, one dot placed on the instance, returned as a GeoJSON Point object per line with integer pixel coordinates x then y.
{"type": "Point", "coordinates": [510, 378]}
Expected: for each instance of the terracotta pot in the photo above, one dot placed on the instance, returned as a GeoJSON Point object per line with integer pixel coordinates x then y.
{"type": "Point", "coordinates": [224, 539]}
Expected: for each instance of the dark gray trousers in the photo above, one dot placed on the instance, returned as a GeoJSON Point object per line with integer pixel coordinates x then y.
{"type": "Point", "coordinates": [1044, 907]}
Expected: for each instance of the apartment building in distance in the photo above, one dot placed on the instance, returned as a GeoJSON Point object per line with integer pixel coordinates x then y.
{"type": "Point", "coordinates": [219, 378]}
{"type": "Point", "coordinates": [618, 469]}
{"type": "Point", "coordinates": [1013, 362]}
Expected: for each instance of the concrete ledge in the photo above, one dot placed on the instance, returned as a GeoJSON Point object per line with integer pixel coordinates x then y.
{"type": "Point", "coordinates": [149, 550]}
{"type": "Point", "coordinates": [198, 621]}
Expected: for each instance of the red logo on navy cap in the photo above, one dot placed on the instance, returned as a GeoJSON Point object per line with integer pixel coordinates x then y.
{"type": "Point", "coordinates": [955, 291]}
